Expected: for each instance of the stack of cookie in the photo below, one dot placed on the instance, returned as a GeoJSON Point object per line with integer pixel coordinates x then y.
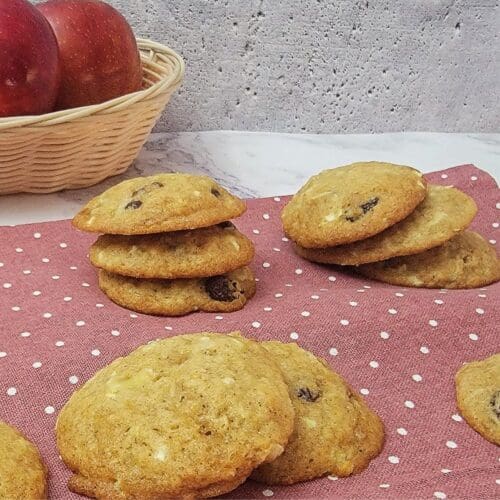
{"type": "Point", "coordinates": [193, 416]}
{"type": "Point", "coordinates": [169, 247]}
{"type": "Point", "coordinates": [385, 220]}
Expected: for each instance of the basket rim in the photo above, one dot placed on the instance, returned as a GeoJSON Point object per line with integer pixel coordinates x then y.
{"type": "Point", "coordinates": [165, 84]}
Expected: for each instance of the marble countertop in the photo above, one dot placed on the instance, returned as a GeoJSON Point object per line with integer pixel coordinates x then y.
{"type": "Point", "coordinates": [254, 164]}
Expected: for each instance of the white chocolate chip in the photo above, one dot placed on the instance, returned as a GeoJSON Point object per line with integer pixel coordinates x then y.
{"type": "Point", "coordinates": [116, 384]}
{"type": "Point", "coordinates": [310, 422]}
{"type": "Point", "coordinates": [275, 452]}
{"type": "Point", "coordinates": [332, 216]}
{"type": "Point", "coordinates": [415, 281]}
{"type": "Point", "coordinates": [205, 342]}
{"type": "Point", "coordinates": [161, 454]}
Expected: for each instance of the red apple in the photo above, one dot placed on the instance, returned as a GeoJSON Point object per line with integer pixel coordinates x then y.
{"type": "Point", "coordinates": [98, 52]}
{"type": "Point", "coordinates": [29, 60]}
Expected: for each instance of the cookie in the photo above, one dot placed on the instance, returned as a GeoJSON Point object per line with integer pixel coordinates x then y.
{"type": "Point", "coordinates": [223, 293]}
{"type": "Point", "coordinates": [444, 212]}
{"type": "Point", "coordinates": [22, 472]}
{"type": "Point", "coordinates": [465, 261]}
{"type": "Point", "coordinates": [478, 396]}
{"type": "Point", "coordinates": [335, 431]}
{"type": "Point", "coordinates": [351, 203]}
{"type": "Point", "coordinates": [180, 254]}
{"type": "Point", "coordinates": [160, 203]}
{"type": "Point", "coordinates": [184, 417]}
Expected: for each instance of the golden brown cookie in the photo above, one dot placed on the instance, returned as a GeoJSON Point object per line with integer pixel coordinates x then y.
{"type": "Point", "coordinates": [465, 261]}
{"type": "Point", "coordinates": [335, 431]}
{"type": "Point", "coordinates": [445, 212]}
{"type": "Point", "coordinates": [350, 203]}
{"type": "Point", "coordinates": [160, 203]}
{"type": "Point", "coordinates": [223, 293]}
{"type": "Point", "coordinates": [181, 254]}
{"type": "Point", "coordinates": [478, 396]}
{"type": "Point", "coordinates": [186, 417]}
{"type": "Point", "coordinates": [22, 472]}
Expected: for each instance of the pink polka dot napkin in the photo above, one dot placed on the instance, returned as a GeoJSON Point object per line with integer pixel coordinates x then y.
{"type": "Point", "coordinates": [398, 347]}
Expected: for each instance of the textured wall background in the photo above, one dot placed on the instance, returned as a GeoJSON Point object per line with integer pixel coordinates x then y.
{"type": "Point", "coordinates": [329, 66]}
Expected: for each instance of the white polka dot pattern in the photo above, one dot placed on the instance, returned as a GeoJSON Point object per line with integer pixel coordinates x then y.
{"type": "Point", "coordinates": [399, 348]}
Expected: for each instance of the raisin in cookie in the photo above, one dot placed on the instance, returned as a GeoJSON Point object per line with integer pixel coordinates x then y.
{"type": "Point", "coordinates": [224, 293]}
{"type": "Point", "coordinates": [335, 431]}
{"type": "Point", "coordinates": [445, 212]}
{"type": "Point", "coordinates": [180, 254]}
{"type": "Point", "coordinates": [465, 261]}
{"type": "Point", "coordinates": [478, 396]}
{"type": "Point", "coordinates": [350, 203]}
{"type": "Point", "coordinates": [22, 472]}
{"type": "Point", "coordinates": [160, 203]}
{"type": "Point", "coordinates": [186, 417]}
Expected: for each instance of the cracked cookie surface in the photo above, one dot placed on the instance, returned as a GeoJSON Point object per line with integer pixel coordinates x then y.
{"type": "Point", "coordinates": [223, 293]}
{"type": "Point", "coordinates": [478, 396]}
{"type": "Point", "coordinates": [335, 431]}
{"type": "Point", "coordinates": [181, 254]}
{"type": "Point", "coordinates": [350, 203]}
{"type": "Point", "coordinates": [159, 203]}
{"type": "Point", "coordinates": [465, 261]}
{"type": "Point", "coordinates": [22, 473]}
{"type": "Point", "coordinates": [186, 417]}
{"type": "Point", "coordinates": [445, 212]}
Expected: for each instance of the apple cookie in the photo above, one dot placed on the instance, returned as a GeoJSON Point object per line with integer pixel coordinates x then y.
{"type": "Point", "coordinates": [181, 254]}
{"type": "Point", "coordinates": [22, 472]}
{"type": "Point", "coordinates": [186, 417]}
{"type": "Point", "coordinates": [223, 293]}
{"type": "Point", "coordinates": [335, 431]}
{"type": "Point", "coordinates": [478, 396]}
{"type": "Point", "coordinates": [160, 203]}
{"type": "Point", "coordinates": [465, 261]}
{"type": "Point", "coordinates": [350, 203]}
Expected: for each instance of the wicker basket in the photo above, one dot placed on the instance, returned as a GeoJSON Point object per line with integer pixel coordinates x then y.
{"type": "Point", "coordinates": [80, 147]}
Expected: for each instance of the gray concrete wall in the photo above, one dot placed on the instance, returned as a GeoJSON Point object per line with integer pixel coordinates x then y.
{"type": "Point", "coordinates": [329, 66]}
